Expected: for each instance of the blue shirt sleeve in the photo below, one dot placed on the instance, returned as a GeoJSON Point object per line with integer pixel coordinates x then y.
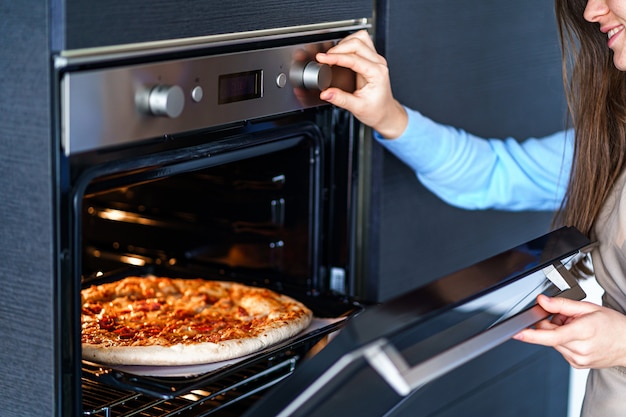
{"type": "Point", "coordinates": [475, 173]}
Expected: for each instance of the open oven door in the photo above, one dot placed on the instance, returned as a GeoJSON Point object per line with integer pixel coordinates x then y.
{"type": "Point", "coordinates": [391, 351]}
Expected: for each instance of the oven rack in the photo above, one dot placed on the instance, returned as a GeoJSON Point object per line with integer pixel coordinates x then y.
{"type": "Point", "coordinates": [170, 387]}
{"type": "Point", "coordinates": [109, 392]}
{"type": "Point", "coordinates": [101, 400]}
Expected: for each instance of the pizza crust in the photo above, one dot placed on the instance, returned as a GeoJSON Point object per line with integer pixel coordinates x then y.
{"type": "Point", "coordinates": [277, 318]}
{"type": "Point", "coordinates": [179, 354]}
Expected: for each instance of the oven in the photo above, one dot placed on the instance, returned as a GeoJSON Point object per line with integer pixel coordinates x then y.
{"type": "Point", "coordinates": [215, 160]}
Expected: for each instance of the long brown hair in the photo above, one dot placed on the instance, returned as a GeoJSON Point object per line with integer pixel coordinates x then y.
{"type": "Point", "coordinates": [596, 96]}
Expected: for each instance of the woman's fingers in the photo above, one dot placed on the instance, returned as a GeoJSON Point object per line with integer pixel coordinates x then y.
{"type": "Point", "coordinates": [372, 102]}
{"type": "Point", "coordinates": [360, 40]}
{"type": "Point", "coordinates": [556, 331]}
{"type": "Point", "coordinates": [370, 71]}
{"type": "Point", "coordinates": [565, 307]}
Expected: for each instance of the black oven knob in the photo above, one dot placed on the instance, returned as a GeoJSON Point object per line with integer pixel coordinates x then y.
{"type": "Point", "coordinates": [166, 100]}
{"type": "Point", "coordinates": [311, 75]}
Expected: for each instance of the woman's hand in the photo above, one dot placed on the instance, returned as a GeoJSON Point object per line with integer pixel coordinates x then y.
{"type": "Point", "coordinates": [372, 102]}
{"type": "Point", "coordinates": [587, 335]}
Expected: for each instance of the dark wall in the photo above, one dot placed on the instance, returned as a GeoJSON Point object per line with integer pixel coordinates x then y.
{"type": "Point", "coordinates": [27, 361]}
{"type": "Point", "coordinates": [491, 67]}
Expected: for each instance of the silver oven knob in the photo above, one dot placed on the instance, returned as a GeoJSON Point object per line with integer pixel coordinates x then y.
{"type": "Point", "coordinates": [166, 100]}
{"type": "Point", "coordinates": [311, 75]}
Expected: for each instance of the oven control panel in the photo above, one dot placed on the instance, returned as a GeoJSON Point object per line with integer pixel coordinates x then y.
{"type": "Point", "coordinates": [120, 105]}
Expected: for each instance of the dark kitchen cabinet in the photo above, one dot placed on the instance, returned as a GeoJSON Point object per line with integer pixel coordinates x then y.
{"type": "Point", "coordinates": [493, 68]}
{"type": "Point", "coordinates": [485, 86]}
{"type": "Point", "coordinates": [27, 311]}
{"type": "Point", "coordinates": [34, 333]}
{"type": "Point", "coordinates": [92, 23]}
{"type": "Point", "coordinates": [490, 67]}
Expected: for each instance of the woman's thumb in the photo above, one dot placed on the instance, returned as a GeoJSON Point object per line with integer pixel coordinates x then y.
{"type": "Point", "coordinates": [565, 306]}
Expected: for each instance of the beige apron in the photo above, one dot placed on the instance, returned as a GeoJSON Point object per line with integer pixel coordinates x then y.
{"type": "Point", "coordinates": [605, 395]}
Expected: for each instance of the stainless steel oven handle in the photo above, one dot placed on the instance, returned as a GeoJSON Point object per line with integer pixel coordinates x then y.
{"type": "Point", "coordinates": [394, 369]}
{"type": "Point", "coordinates": [389, 363]}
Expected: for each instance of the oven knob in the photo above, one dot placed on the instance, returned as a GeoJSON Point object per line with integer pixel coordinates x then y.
{"type": "Point", "coordinates": [311, 75]}
{"type": "Point", "coordinates": [166, 100]}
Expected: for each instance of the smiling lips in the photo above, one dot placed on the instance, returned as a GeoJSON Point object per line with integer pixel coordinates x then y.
{"type": "Point", "coordinates": [614, 31]}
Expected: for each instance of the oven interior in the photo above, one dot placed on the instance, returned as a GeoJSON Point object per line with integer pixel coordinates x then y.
{"type": "Point", "coordinates": [265, 204]}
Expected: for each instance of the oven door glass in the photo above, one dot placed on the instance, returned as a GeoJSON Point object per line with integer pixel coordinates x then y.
{"type": "Point", "coordinates": [392, 350]}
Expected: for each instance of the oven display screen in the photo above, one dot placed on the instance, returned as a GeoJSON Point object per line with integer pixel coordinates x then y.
{"type": "Point", "coordinates": [240, 86]}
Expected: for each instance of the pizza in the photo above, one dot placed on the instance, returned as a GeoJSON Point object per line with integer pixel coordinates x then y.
{"type": "Point", "coordinates": [175, 321]}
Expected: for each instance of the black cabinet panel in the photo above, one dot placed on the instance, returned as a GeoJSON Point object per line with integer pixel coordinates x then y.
{"type": "Point", "coordinates": [27, 312]}
{"type": "Point", "coordinates": [91, 23]}
{"type": "Point", "coordinates": [492, 68]}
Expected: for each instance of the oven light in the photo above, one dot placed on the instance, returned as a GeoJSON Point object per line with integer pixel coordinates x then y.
{"type": "Point", "coordinates": [279, 179]}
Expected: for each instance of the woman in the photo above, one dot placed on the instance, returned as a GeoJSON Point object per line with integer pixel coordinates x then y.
{"type": "Point", "coordinates": [584, 179]}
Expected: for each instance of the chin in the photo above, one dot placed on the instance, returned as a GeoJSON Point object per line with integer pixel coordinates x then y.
{"type": "Point", "coordinates": [620, 64]}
